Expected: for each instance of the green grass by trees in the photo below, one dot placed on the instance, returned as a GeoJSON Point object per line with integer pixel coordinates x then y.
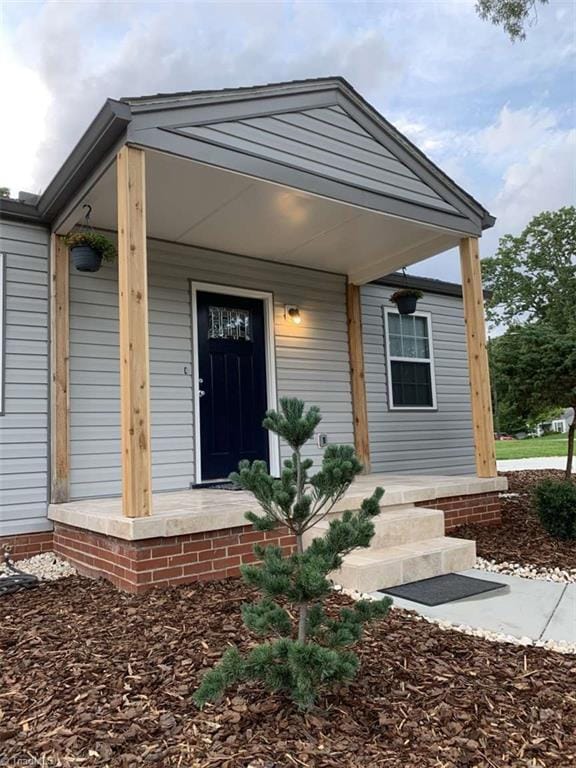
{"type": "Point", "coordinates": [531, 447]}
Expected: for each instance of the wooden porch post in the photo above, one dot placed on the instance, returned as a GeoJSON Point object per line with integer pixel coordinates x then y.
{"type": "Point", "coordinates": [134, 354]}
{"type": "Point", "coordinates": [477, 358]}
{"type": "Point", "coordinates": [358, 384]}
{"type": "Point", "coordinates": [59, 353]}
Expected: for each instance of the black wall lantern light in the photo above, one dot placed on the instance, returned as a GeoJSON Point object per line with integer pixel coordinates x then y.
{"type": "Point", "coordinates": [292, 313]}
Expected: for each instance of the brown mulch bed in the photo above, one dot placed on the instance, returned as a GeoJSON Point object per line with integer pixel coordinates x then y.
{"type": "Point", "coordinates": [93, 677]}
{"type": "Point", "coordinates": [521, 537]}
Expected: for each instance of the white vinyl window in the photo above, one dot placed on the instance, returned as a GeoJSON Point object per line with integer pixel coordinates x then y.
{"type": "Point", "coordinates": [410, 361]}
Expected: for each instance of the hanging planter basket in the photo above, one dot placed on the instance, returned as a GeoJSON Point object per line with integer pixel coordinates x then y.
{"type": "Point", "coordinates": [406, 300]}
{"type": "Point", "coordinates": [85, 258]}
{"type": "Point", "coordinates": [88, 249]}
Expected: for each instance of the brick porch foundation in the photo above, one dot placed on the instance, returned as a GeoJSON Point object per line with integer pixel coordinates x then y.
{"type": "Point", "coordinates": [479, 508]}
{"type": "Point", "coordinates": [137, 566]}
{"type": "Point", "coordinates": [24, 545]}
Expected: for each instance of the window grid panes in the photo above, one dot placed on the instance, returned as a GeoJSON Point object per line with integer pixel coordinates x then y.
{"type": "Point", "coordinates": [411, 384]}
{"type": "Point", "coordinates": [408, 336]}
{"type": "Point", "coordinates": [408, 349]}
{"type": "Point", "coordinates": [231, 324]}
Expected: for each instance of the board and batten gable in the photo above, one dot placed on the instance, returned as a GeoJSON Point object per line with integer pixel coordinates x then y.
{"type": "Point", "coordinates": [311, 359]}
{"type": "Point", "coordinates": [327, 142]}
{"type": "Point", "coordinates": [24, 424]}
{"type": "Point", "coordinates": [438, 441]}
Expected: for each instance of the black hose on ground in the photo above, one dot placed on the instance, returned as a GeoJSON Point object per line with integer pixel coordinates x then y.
{"type": "Point", "coordinates": [12, 579]}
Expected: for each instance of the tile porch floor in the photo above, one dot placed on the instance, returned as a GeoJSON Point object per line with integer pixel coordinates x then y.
{"type": "Point", "coordinates": [182, 512]}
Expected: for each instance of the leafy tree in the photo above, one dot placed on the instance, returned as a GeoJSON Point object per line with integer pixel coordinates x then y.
{"type": "Point", "coordinates": [532, 280]}
{"type": "Point", "coordinates": [534, 368]}
{"type": "Point", "coordinates": [308, 651]}
{"type": "Point", "coordinates": [506, 416]}
{"type": "Point", "coordinates": [532, 277]}
{"type": "Point", "coordinates": [4, 192]}
{"type": "Point", "coordinates": [512, 15]}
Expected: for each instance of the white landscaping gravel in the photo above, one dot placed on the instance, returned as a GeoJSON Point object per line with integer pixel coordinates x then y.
{"type": "Point", "coordinates": [47, 567]}
{"type": "Point", "coordinates": [563, 576]}
{"type": "Point", "coordinates": [560, 646]}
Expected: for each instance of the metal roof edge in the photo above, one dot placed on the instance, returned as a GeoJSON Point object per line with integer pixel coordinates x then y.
{"type": "Point", "coordinates": [427, 284]}
{"type": "Point", "coordinates": [16, 210]}
{"type": "Point", "coordinates": [160, 101]}
{"type": "Point", "coordinates": [488, 220]}
{"type": "Point", "coordinates": [104, 130]}
{"type": "Point", "coordinates": [424, 284]}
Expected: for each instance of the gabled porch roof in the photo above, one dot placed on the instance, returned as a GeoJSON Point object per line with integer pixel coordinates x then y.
{"type": "Point", "coordinates": [305, 173]}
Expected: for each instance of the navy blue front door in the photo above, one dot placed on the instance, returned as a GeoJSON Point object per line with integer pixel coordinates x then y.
{"type": "Point", "coordinates": [232, 378]}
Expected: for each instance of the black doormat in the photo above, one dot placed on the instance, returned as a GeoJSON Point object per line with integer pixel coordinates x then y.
{"type": "Point", "coordinates": [217, 485]}
{"type": "Point", "coordinates": [443, 589]}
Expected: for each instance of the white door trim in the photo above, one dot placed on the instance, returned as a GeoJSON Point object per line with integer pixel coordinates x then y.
{"type": "Point", "coordinates": [270, 352]}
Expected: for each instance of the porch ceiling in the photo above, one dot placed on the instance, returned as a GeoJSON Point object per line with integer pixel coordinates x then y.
{"type": "Point", "coordinates": [196, 204]}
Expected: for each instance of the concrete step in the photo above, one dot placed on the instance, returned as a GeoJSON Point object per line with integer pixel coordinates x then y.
{"type": "Point", "coordinates": [367, 570]}
{"type": "Point", "coordinates": [401, 524]}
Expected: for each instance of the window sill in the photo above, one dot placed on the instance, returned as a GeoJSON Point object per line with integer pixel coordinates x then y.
{"type": "Point", "coordinates": [422, 408]}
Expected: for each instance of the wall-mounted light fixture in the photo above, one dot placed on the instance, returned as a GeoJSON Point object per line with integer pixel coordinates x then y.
{"type": "Point", "coordinates": [292, 313]}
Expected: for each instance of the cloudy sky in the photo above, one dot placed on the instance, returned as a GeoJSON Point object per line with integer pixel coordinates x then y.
{"type": "Point", "coordinates": [499, 117]}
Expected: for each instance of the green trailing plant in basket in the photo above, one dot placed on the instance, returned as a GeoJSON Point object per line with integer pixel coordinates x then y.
{"type": "Point", "coordinates": [308, 646]}
{"type": "Point", "coordinates": [406, 300]}
{"type": "Point", "coordinates": [405, 292]}
{"type": "Point", "coordinates": [99, 243]}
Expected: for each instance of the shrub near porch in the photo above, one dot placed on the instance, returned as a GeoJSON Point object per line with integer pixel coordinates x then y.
{"type": "Point", "coordinates": [521, 538]}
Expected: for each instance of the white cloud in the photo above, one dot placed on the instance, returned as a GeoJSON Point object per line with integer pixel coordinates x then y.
{"type": "Point", "coordinates": [535, 157]}
{"type": "Point", "coordinates": [517, 130]}
{"type": "Point", "coordinates": [170, 47]}
{"type": "Point", "coordinates": [482, 110]}
{"type": "Point", "coordinates": [524, 160]}
{"type": "Point", "coordinates": [28, 98]}
{"type": "Point", "coordinates": [544, 180]}
{"type": "Point", "coordinates": [523, 163]}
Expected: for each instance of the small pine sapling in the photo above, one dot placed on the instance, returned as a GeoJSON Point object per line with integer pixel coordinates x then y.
{"type": "Point", "coordinates": [308, 651]}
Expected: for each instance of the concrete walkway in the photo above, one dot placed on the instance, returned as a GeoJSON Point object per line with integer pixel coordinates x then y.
{"type": "Point", "coordinates": [544, 462]}
{"type": "Point", "coordinates": [539, 610]}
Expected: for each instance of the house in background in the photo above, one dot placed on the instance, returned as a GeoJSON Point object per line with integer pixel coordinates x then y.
{"type": "Point", "coordinates": [128, 392]}
{"type": "Point", "coordinates": [560, 424]}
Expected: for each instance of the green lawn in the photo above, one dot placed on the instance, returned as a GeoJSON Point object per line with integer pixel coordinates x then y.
{"type": "Point", "coordinates": [549, 445]}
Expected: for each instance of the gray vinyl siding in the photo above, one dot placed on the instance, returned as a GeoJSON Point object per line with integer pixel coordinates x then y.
{"type": "Point", "coordinates": [326, 142]}
{"type": "Point", "coordinates": [311, 359]}
{"type": "Point", "coordinates": [420, 442]}
{"type": "Point", "coordinates": [24, 424]}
